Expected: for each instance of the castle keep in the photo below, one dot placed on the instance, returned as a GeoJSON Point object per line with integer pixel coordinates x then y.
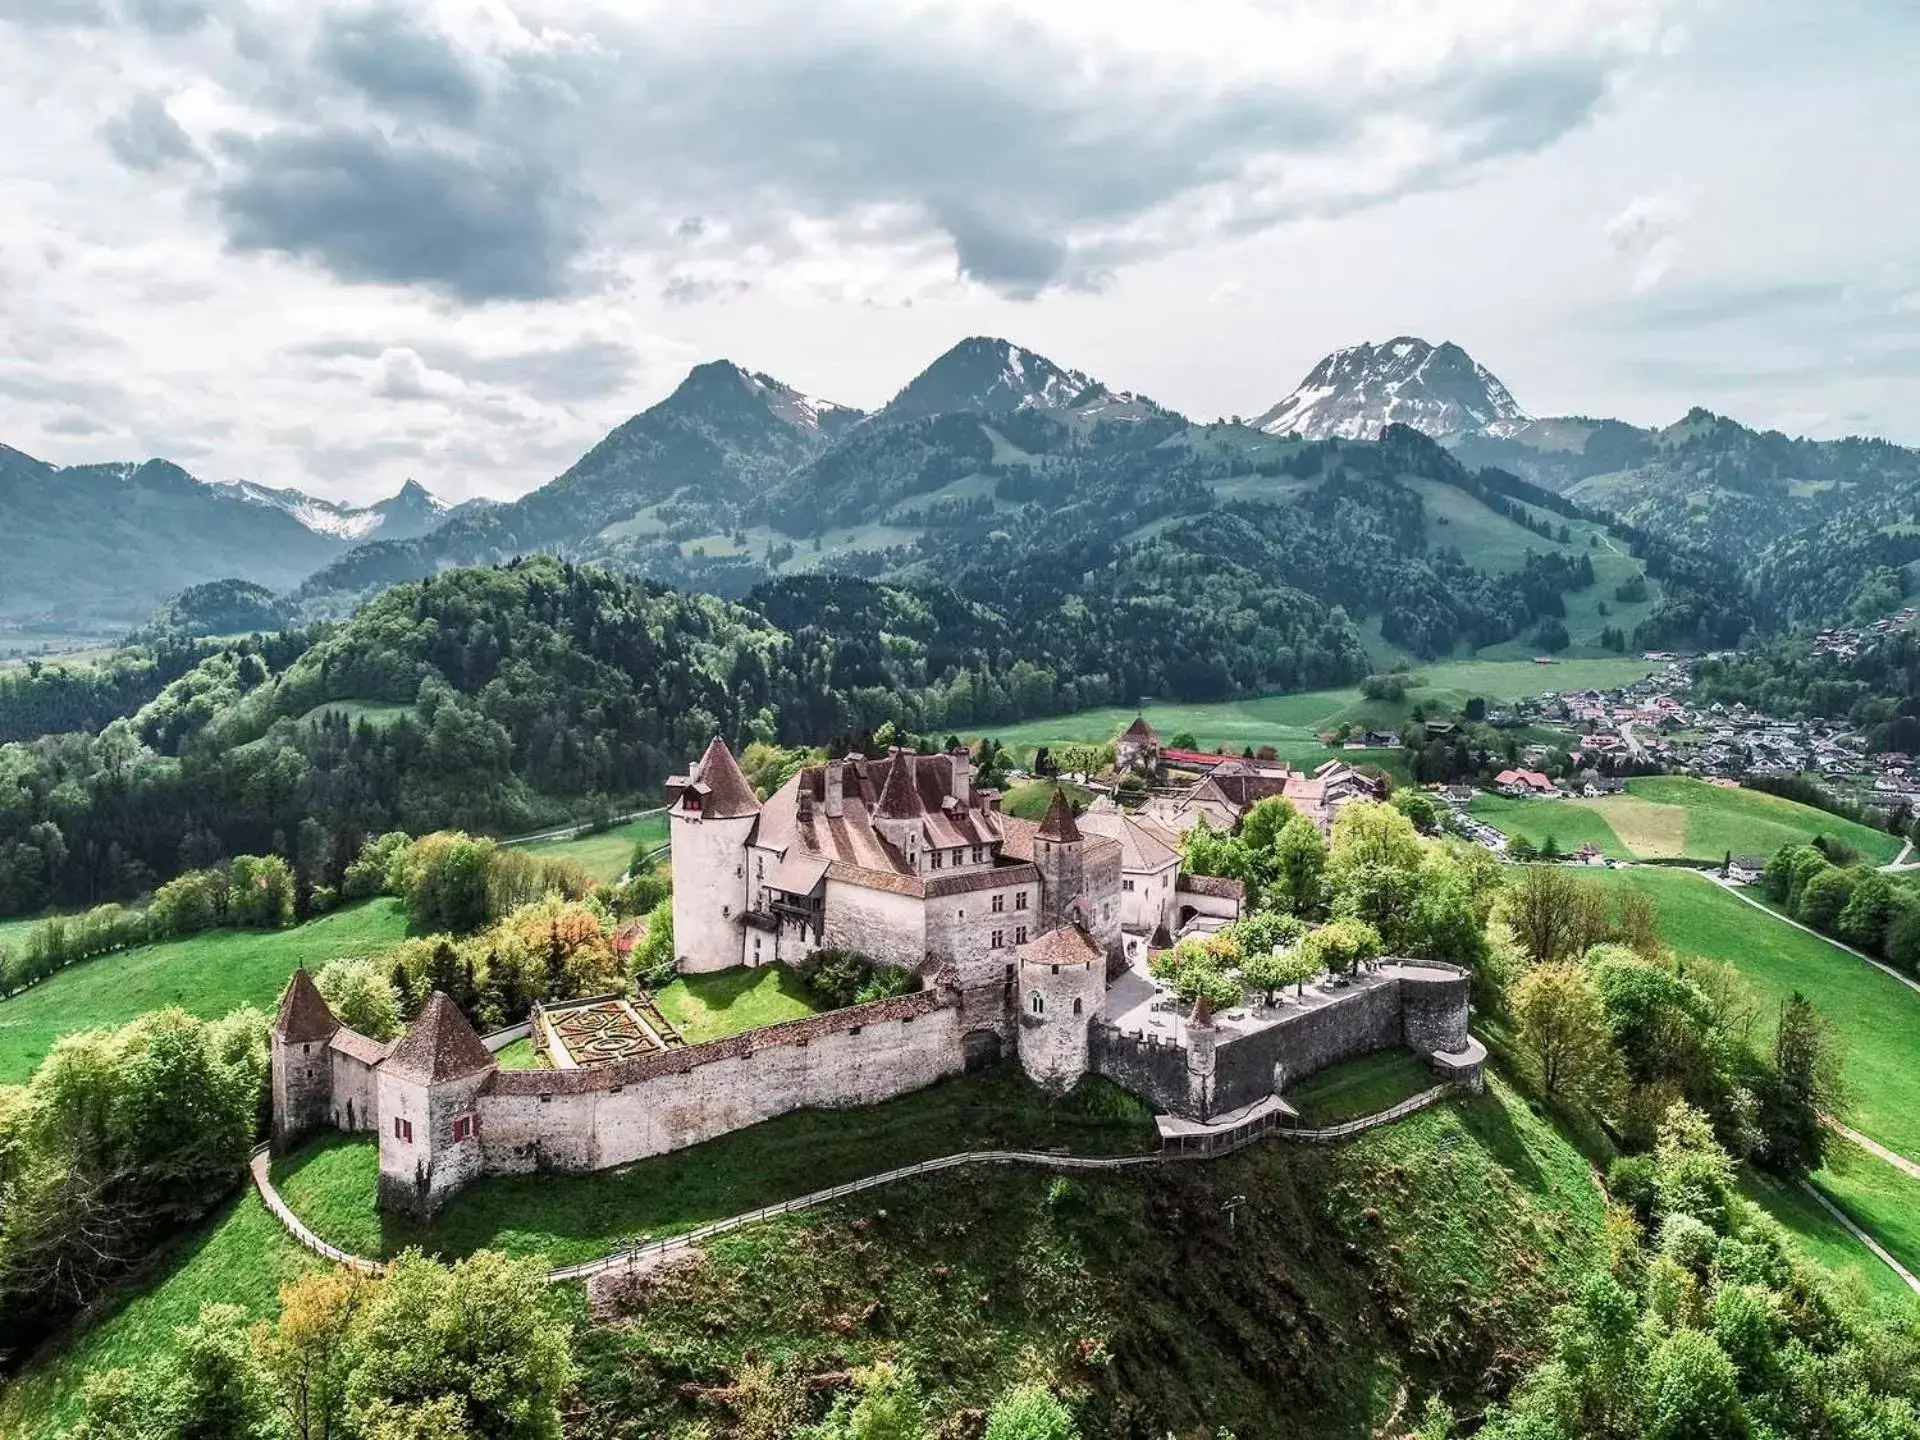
{"type": "Point", "coordinates": [1029, 939]}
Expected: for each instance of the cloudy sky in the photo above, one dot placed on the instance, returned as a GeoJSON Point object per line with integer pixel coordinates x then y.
{"type": "Point", "coordinates": [333, 245]}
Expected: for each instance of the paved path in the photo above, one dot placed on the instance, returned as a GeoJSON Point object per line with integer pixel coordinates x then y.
{"type": "Point", "coordinates": [1863, 1237]}
{"type": "Point", "coordinates": [637, 1255]}
{"type": "Point", "coordinates": [1899, 862]}
{"type": "Point", "coordinates": [1874, 1147]}
{"type": "Point", "coordinates": [1738, 893]}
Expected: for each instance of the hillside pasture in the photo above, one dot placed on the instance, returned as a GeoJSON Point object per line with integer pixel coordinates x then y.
{"type": "Point", "coordinates": [1677, 817]}
{"type": "Point", "coordinates": [1296, 719]}
{"type": "Point", "coordinates": [1876, 1017]}
{"type": "Point", "coordinates": [379, 713]}
{"type": "Point", "coordinates": [605, 853]}
{"type": "Point", "coordinates": [207, 975]}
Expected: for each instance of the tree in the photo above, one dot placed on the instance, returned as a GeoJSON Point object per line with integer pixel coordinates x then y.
{"type": "Point", "coordinates": [1564, 1030]}
{"type": "Point", "coordinates": [1805, 1085]}
{"type": "Point", "coordinates": [1207, 989]}
{"type": "Point", "coordinates": [885, 1405]}
{"type": "Point", "coordinates": [1869, 912]}
{"type": "Point", "coordinates": [1341, 946]}
{"type": "Point", "coordinates": [1267, 971]}
{"type": "Point", "coordinates": [1538, 904]}
{"type": "Point", "coordinates": [361, 997]}
{"type": "Point", "coordinates": [1182, 740]}
{"type": "Point", "coordinates": [483, 1334]}
{"type": "Point", "coordinates": [1030, 1412]}
{"type": "Point", "coordinates": [653, 957]}
{"type": "Point", "coordinates": [1692, 1391]}
{"type": "Point", "coordinates": [305, 1352]}
{"type": "Point", "coordinates": [1824, 898]}
{"type": "Point", "coordinates": [1299, 866]}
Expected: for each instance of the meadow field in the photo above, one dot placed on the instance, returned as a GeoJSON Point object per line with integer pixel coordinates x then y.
{"type": "Point", "coordinates": [207, 975]}
{"type": "Point", "coordinates": [1877, 1018]}
{"type": "Point", "coordinates": [1669, 817]}
{"type": "Point", "coordinates": [1296, 720]}
{"type": "Point", "coordinates": [605, 853]}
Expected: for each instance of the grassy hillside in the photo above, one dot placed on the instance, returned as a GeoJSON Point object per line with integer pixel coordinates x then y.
{"type": "Point", "coordinates": [1670, 817]}
{"type": "Point", "coordinates": [605, 854]}
{"type": "Point", "coordinates": [205, 974]}
{"type": "Point", "coordinates": [1877, 1017]}
{"type": "Point", "coordinates": [1297, 719]}
{"type": "Point", "coordinates": [1424, 1254]}
{"type": "Point", "coordinates": [1880, 1200]}
{"type": "Point", "coordinates": [1823, 1239]}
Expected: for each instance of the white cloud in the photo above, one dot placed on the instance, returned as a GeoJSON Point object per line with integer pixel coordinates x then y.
{"type": "Point", "coordinates": [1647, 235]}
{"type": "Point", "coordinates": [400, 374]}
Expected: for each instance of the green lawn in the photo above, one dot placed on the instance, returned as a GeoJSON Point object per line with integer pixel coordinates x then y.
{"type": "Point", "coordinates": [205, 974]}
{"type": "Point", "coordinates": [1568, 823]}
{"type": "Point", "coordinates": [1820, 1237]}
{"type": "Point", "coordinates": [1880, 1200]}
{"type": "Point", "coordinates": [705, 1007]}
{"type": "Point", "coordinates": [1365, 1085]}
{"type": "Point", "coordinates": [1296, 719]}
{"type": "Point", "coordinates": [379, 713]}
{"type": "Point", "coordinates": [241, 1257]}
{"type": "Point", "coordinates": [565, 1219]}
{"type": "Point", "coordinates": [1877, 1018]}
{"type": "Point", "coordinates": [605, 854]}
{"type": "Point", "coordinates": [1031, 800]}
{"type": "Point", "coordinates": [1671, 816]}
{"type": "Point", "coordinates": [1752, 822]}
{"type": "Point", "coordinates": [14, 932]}
{"type": "Point", "coordinates": [520, 1055]}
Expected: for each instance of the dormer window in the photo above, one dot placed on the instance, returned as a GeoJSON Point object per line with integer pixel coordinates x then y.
{"type": "Point", "coordinates": [691, 802]}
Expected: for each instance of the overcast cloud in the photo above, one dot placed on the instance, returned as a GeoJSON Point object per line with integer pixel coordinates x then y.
{"type": "Point", "coordinates": [336, 244]}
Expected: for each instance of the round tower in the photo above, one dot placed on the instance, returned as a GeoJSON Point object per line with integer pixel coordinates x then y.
{"type": "Point", "coordinates": [711, 816]}
{"type": "Point", "coordinates": [1062, 987]}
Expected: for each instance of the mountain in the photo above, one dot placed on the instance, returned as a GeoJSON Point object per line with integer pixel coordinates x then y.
{"type": "Point", "coordinates": [685, 466]}
{"type": "Point", "coordinates": [996, 378]}
{"type": "Point", "coordinates": [1355, 393]}
{"type": "Point", "coordinates": [93, 548]}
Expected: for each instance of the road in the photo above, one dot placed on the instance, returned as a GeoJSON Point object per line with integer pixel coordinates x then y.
{"type": "Point", "coordinates": [568, 832]}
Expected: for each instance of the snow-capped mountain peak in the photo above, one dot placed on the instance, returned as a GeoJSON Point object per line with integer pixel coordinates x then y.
{"type": "Point", "coordinates": [989, 376]}
{"type": "Point", "coordinates": [1354, 393]}
{"type": "Point", "coordinates": [413, 509]}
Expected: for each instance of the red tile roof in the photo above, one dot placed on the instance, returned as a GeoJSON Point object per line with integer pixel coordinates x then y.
{"type": "Point", "coordinates": [1058, 826]}
{"type": "Point", "coordinates": [729, 796]}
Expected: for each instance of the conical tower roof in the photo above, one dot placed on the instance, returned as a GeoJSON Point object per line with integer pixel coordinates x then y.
{"type": "Point", "coordinates": [1058, 826]}
{"type": "Point", "coordinates": [900, 796]}
{"type": "Point", "coordinates": [304, 1017]}
{"type": "Point", "coordinates": [439, 1045]}
{"type": "Point", "coordinates": [729, 796]}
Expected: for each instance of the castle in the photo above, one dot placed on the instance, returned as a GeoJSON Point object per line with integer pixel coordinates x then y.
{"type": "Point", "coordinates": [1029, 939]}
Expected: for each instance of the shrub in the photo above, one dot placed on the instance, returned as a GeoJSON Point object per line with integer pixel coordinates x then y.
{"type": "Point", "coordinates": [839, 978]}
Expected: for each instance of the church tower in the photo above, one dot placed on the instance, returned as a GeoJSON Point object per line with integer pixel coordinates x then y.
{"type": "Point", "coordinates": [711, 816]}
{"type": "Point", "coordinates": [1058, 855]}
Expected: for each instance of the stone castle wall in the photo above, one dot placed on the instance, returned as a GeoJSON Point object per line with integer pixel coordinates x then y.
{"type": "Point", "coordinates": [710, 889]}
{"type": "Point", "coordinates": [1152, 1068]}
{"type": "Point", "coordinates": [885, 925]}
{"type": "Point", "coordinates": [356, 1102]}
{"type": "Point", "coordinates": [578, 1120]}
{"type": "Point", "coordinates": [302, 1087]}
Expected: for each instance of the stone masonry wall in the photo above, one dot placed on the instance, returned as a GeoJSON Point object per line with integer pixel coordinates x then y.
{"type": "Point", "coordinates": [961, 927]}
{"type": "Point", "coordinates": [302, 1085]}
{"type": "Point", "coordinates": [1434, 1004]}
{"type": "Point", "coordinates": [1155, 1070]}
{"type": "Point", "coordinates": [356, 1104]}
{"type": "Point", "coordinates": [1248, 1067]}
{"type": "Point", "coordinates": [879, 923]}
{"type": "Point", "coordinates": [583, 1120]}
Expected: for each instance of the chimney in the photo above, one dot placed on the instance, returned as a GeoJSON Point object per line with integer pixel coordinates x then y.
{"type": "Point", "coordinates": [833, 789]}
{"type": "Point", "coordinates": [962, 764]}
{"type": "Point", "coordinates": [804, 802]}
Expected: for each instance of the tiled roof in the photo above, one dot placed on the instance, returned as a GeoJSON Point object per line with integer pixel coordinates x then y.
{"type": "Point", "coordinates": [363, 1048]}
{"type": "Point", "coordinates": [1066, 945]}
{"type": "Point", "coordinates": [728, 794]}
{"type": "Point", "coordinates": [1143, 846]}
{"type": "Point", "coordinates": [900, 798]}
{"type": "Point", "coordinates": [1219, 885]}
{"type": "Point", "coordinates": [1058, 826]}
{"type": "Point", "coordinates": [304, 1017]}
{"type": "Point", "coordinates": [439, 1045]}
{"type": "Point", "coordinates": [1139, 730]}
{"type": "Point", "coordinates": [992, 878]}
